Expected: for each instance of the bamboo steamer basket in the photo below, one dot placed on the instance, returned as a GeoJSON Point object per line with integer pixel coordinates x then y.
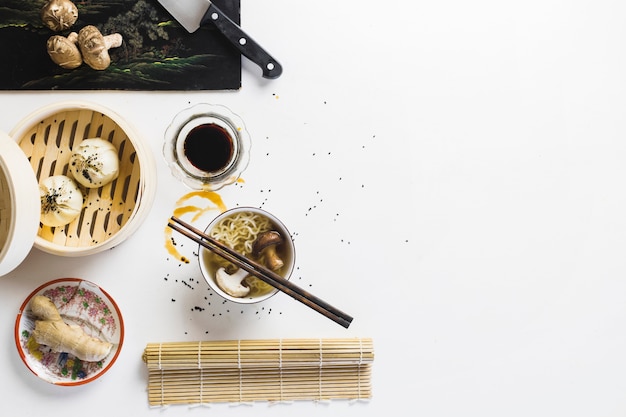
{"type": "Point", "coordinates": [111, 213]}
{"type": "Point", "coordinates": [19, 211]}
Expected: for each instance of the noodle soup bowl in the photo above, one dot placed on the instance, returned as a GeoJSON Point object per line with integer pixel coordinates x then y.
{"type": "Point", "coordinates": [239, 228]}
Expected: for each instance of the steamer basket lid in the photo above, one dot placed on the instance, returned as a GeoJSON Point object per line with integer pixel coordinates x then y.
{"type": "Point", "coordinates": [19, 205]}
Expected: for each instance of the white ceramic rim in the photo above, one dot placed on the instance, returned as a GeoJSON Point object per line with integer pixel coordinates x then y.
{"type": "Point", "coordinates": [26, 359]}
{"type": "Point", "coordinates": [24, 192]}
{"type": "Point", "coordinates": [284, 231]}
{"type": "Point", "coordinates": [148, 176]}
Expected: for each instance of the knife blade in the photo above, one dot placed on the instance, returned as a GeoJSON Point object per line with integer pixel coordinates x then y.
{"type": "Point", "coordinates": [192, 14]}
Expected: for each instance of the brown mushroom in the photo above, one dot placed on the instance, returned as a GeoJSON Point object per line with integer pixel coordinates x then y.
{"type": "Point", "coordinates": [64, 52]}
{"type": "Point", "coordinates": [59, 15]}
{"type": "Point", "coordinates": [231, 284]}
{"type": "Point", "coordinates": [95, 47]}
{"type": "Point", "coordinates": [266, 243]}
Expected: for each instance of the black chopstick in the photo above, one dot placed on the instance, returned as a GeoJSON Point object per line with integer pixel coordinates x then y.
{"type": "Point", "coordinates": [259, 271]}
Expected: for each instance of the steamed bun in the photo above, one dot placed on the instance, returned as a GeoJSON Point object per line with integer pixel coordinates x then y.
{"type": "Point", "coordinates": [61, 200]}
{"type": "Point", "coordinates": [94, 163]}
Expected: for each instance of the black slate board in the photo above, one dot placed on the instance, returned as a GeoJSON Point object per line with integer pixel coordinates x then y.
{"type": "Point", "coordinates": [157, 53]}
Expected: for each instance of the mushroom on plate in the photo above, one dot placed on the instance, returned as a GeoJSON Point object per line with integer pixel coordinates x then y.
{"type": "Point", "coordinates": [59, 15]}
{"type": "Point", "coordinates": [232, 283]}
{"type": "Point", "coordinates": [64, 52]}
{"type": "Point", "coordinates": [266, 243]}
{"type": "Point", "coordinates": [95, 47]}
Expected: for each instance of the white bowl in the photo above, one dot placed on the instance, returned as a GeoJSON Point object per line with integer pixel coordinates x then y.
{"type": "Point", "coordinates": [287, 249]}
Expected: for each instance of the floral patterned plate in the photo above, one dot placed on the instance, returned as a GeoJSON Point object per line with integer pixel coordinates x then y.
{"type": "Point", "coordinates": [80, 303]}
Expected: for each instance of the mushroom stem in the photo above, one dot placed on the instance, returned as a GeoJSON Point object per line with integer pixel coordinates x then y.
{"type": "Point", "coordinates": [274, 262]}
{"type": "Point", "coordinates": [113, 40]}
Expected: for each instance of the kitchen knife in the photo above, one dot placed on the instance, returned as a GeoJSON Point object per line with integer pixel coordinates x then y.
{"type": "Point", "coordinates": [192, 14]}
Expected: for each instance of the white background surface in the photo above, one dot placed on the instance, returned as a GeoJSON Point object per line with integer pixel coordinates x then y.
{"type": "Point", "coordinates": [453, 174]}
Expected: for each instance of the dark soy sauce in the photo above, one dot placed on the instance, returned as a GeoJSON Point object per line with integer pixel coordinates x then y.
{"type": "Point", "coordinates": [208, 147]}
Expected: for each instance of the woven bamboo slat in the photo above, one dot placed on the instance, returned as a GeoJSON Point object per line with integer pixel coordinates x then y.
{"type": "Point", "coordinates": [259, 370]}
{"type": "Point", "coordinates": [48, 145]}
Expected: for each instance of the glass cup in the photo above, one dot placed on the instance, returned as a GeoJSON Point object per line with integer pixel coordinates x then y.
{"type": "Point", "coordinates": [207, 147]}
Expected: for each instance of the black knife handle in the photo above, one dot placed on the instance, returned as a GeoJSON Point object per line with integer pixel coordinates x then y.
{"type": "Point", "coordinates": [246, 45]}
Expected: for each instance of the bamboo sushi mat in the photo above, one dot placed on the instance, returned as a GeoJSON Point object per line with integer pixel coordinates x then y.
{"type": "Point", "coordinates": [241, 371]}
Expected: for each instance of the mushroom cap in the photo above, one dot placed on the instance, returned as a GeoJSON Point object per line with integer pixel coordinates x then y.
{"type": "Point", "coordinates": [59, 15]}
{"type": "Point", "coordinates": [265, 240]}
{"type": "Point", "coordinates": [64, 52]}
{"type": "Point", "coordinates": [93, 47]}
